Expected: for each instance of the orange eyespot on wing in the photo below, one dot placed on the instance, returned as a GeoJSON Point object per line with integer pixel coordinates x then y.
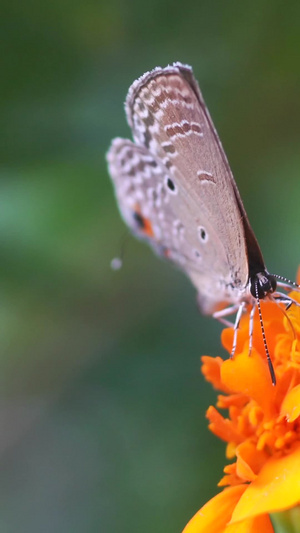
{"type": "Point", "coordinates": [143, 224]}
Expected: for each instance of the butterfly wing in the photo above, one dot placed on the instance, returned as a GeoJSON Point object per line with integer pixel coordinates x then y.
{"type": "Point", "coordinates": [175, 187]}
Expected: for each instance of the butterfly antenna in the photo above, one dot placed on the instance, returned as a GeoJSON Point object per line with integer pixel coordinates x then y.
{"type": "Point", "coordinates": [117, 262]}
{"type": "Point", "coordinates": [270, 364]}
{"type": "Point", "coordinates": [286, 282]}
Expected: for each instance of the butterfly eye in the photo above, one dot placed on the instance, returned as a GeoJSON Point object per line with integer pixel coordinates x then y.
{"type": "Point", "coordinates": [171, 185]}
{"type": "Point", "coordinates": [202, 234]}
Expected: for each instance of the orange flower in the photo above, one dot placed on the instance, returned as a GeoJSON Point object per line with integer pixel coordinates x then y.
{"type": "Point", "coordinates": [262, 427]}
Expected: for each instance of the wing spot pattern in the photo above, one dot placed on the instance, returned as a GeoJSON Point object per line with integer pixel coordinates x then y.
{"type": "Point", "coordinates": [172, 188]}
{"type": "Point", "coordinates": [143, 223]}
{"type": "Point", "coordinates": [183, 129]}
{"type": "Point", "coordinates": [205, 176]}
{"type": "Point", "coordinates": [203, 236]}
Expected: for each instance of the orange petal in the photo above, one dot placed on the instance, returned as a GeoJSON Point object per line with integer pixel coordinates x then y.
{"type": "Point", "coordinates": [229, 480]}
{"type": "Point", "coordinates": [291, 404]}
{"type": "Point", "coordinates": [270, 312]}
{"type": "Point", "coordinates": [273, 321]}
{"type": "Point", "coordinates": [227, 339]}
{"type": "Point", "coordinates": [286, 382]}
{"type": "Point", "coordinates": [249, 461]}
{"type": "Point", "coordinates": [211, 369]}
{"type": "Point", "coordinates": [216, 513]}
{"type": "Point", "coordinates": [242, 338]}
{"type": "Point", "coordinates": [224, 428]}
{"type": "Point", "coordinates": [298, 276]}
{"type": "Point", "coordinates": [249, 375]}
{"type": "Point", "coordinates": [258, 524]}
{"type": "Point", "coordinates": [239, 400]}
{"type": "Point", "coordinates": [230, 477]}
{"type": "Point", "coordinates": [276, 487]}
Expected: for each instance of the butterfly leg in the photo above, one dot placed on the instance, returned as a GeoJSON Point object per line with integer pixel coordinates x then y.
{"type": "Point", "coordinates": [291, 285]}
{"type": "Point", "coordinates": [287, 301]}
{"type": "Point", "coordinates": [219, 315]}
{"type": "Point", "coordinates": [251, 325]}
{"type": "Point", "coordinates": [280, 297]}
{"type": "Point", "coordinates": [238, 309]}
{"type": "Point", "coordinates": [236, 327]}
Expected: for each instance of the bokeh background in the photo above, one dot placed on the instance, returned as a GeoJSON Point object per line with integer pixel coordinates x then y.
{"type": "Point", "coordinates": [102, 404]}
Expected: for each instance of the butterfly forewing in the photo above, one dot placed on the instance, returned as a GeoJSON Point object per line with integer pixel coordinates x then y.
{"type": "Point", "coordinates": [173, 182]}
{"type": "Point", "coordinates": [168, 116]}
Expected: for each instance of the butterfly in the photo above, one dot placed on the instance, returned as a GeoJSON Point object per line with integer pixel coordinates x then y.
{"type": "Point", "coordinates": [175, 189]}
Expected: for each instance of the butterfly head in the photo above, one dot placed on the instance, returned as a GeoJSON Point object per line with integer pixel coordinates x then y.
{"type": "Point", "coordinates": [262, 284]}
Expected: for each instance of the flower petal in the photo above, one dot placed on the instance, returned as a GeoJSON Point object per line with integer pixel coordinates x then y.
{"type": "Point", "coordinates": [224, 428]}
{"type": "Point", "coordinates": [216, 513]}
{"type": "Point", "coordinates": [276, 487]}
{"type": "Point", "coordinates": [298, 276]}
{"type": "Point", "coordinates": [291, 404]}
{"type": "Point", "coordinates": [249, 460]}
{"type": "Point", "coordinates": [257, 524]}
{"type": "Point", "coordinates": [227, 339]}
{"type": "Point", "coordinates": [211, 369]}
{"type": "Point", "coordinates": [250, 375]}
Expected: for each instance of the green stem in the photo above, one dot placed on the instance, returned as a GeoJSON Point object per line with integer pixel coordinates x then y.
{"type": "Point", "coordinates": [286, 521]}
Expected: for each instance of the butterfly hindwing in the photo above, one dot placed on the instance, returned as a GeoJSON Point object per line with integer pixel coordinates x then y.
{"type": "Point", "coordinates": [154, 208]}
{"type": "Point", "coordinates": [144, 192]}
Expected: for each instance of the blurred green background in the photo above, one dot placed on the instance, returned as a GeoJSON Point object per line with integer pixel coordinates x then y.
{"type": "Point", "coordinates": [103, 405]}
